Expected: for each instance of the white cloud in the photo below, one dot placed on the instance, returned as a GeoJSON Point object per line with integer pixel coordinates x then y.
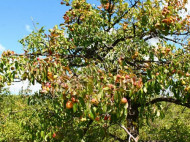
{"type": "Point", "coordinates": [188, 7]}
{"type": "Point", "coordinates": [153, 41]}
{"type": "Point", "coordinates": [112, 31]}
{"type": "Point", "coordinates": [16, 87]}
{"type": "Point", "coordinates": [2, 48]}
{"type": "Point", "coordinates": [184, 13]}
{"type": "Point", "coordinates": [28, 28]}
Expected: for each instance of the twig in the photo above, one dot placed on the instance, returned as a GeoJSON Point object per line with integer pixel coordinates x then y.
{"type": "Point", "coordinates": [130, 135]}
{"type": "Point", "coordinates": [34, 24]}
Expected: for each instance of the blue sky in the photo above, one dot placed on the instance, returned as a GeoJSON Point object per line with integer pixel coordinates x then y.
{"type": "Point", "coordinates": [16, 19]}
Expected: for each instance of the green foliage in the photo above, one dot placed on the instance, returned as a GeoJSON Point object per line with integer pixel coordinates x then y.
{"type": "Point", "coordinates": [14, 111]}
{"type": "Point", "coordinates": [34, 121]}
{"type": "Point", "coordinates": [100, 56]}
{"type": "Point", "coordinates": [175, 126]}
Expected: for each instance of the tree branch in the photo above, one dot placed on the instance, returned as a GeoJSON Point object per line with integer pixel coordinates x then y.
{"type": "Point", "coordinates": [176, 33]}
{"type": "Point", "coordinates": [173, 40]}
{"type": "Point", "coordinates": [147, 38]}
{"type": "Point", "coordinates": [120, 39]}
{"type": "Point", "coordinates": [171, 100]}
{"type": "Point", "coordinates": [41, 54]}
{"type": "Point", "coordinates": [130, 135]}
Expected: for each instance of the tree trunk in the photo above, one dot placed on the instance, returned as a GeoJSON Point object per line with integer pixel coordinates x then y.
{"type": "Point", "coordinates": [132, 119]}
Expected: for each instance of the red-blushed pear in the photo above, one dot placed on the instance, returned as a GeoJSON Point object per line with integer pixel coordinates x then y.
{"type": "Point", "coordinates": [54, 135]}
{"type": "Point", "coordinates": [69, 105]}
{"type": "Point", "coordinates": [107, 117]}
{"type": "Point", "coordinates": [106, 6]}
{"type": "Point", "coordinates": [173, 71]}
{"type": "Point", "coordinates": [58, 136]}
{"type": "Point", "coordinates": [168, 50]}
{"type": "Point", "coordinates": [110, 74]}
{"type": "Point", "coordinates": [102, 77]}
{"type": "Point", "coordinates": [100, 71]}
{"type": "Point", "coordinates": [123, 100]}
{"type": "Point", "coordinates": [118, 76]}
{"type": "Point", "coordinates": [97, 118]}
{"type": "Point", "coordinates": [94, 101]}
{"type": "Point", "coordinates": [12, 52]}
{"type": "Point", "coordinates": [127, 77]}
{"type": "Point", "coordinates": [67, 4]}
{"type": "Point", "coordinates": [187, 74]}
{"type": "Point", "coordinates": [111, 86]}
{"type": "Point", "coordinates": [48, 84]}
{"type": "Point", "coordinates": [74, 100]}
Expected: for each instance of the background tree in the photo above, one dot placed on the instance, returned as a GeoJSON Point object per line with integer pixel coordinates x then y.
{"type": "Point", "coordinates": [99, 67]}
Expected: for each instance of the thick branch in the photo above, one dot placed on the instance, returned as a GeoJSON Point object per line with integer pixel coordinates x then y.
{"type": "Point", "coordinates": [41, 54]}
{"type": "Point", "coordinates": [147, 38]}
{"type": "Point", "coordinates": [120, 39]}
{"type": "Point", "coordinates": [176, 33]}
{"type": "Point", "coordinates": [171, 100]}
{"type": "Point", "coordinates": [173, 40]}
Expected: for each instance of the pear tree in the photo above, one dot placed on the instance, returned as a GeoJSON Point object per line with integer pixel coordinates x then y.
{"type": "Point", "coordinates": [99, 65]}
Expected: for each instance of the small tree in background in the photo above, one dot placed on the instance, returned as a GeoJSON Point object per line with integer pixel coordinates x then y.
{"type": "Point", "coordinates": [98, 65]}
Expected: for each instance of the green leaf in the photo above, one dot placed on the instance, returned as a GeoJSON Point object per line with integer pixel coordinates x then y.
{"type": "Point", "coordinates": [75, 107]}
{"type": "Point", "coordinates": [42, 134]}
{"type": "Point", "coordinates": [81, 100]}
{"type": "Point", "coordinates": [92, 115]}
{"type": "Point", "coordinates": [106, 88]}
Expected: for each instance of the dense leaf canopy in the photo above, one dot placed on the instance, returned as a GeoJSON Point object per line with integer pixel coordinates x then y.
{"type": "Point", "coordinates": [101, 56]}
